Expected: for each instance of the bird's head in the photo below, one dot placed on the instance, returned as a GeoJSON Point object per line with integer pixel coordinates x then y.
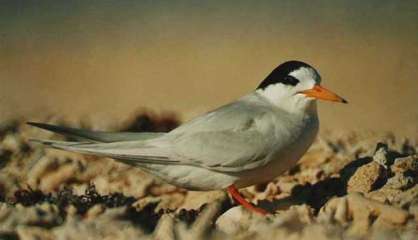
{"type": "Point", "coordinates": [294, 85]}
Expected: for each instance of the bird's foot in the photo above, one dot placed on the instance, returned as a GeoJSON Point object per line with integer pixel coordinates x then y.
{"type": "Point", "coordinates": [241, 200]}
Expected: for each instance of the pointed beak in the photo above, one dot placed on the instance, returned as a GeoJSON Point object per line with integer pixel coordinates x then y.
{"type": "Point", "coordinates": [322, 93]}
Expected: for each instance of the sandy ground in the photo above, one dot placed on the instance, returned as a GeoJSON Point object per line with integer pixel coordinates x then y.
{"type": "Point", "coordinates": [348, 186]}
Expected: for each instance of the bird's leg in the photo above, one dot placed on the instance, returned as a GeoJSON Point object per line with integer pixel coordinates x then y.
{"type": "Point", "coordinates": [241, 200]}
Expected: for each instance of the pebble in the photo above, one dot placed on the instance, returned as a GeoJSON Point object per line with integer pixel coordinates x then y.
{"type": "Point", "coordinates": [365, 178]}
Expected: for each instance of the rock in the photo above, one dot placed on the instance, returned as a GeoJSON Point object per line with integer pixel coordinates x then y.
{"type": "Point", "coordinates": [404, 164]}
{"type": "Point", "coordinates": [163, 202]}
{"type": "Point", "coordinates": [144, 202]}
{"type": "Point", "coordinates": [366, 178]}
{"type": "Point", "coordinates": [382, 231]}
{"type": "Point", "coordinates": [287, 187]}
{"type": "Point", "coordinates": [12, 142]}
{"type": "Point", "coordinates": [391, 214]}
{"type": "Point", "coordinates": [381, 155]}
{"type": "Point", "coordinates": [110, 225]}
{"type": "Point", "coordinates": [39, 215]}
{"type": "Point", "coordinates": [400, 181]}
{"type": "Point", "coordinates": [335, 209]}
{"type": "Point", "coordinates": [235, 220]}
{"type": "Point", "coordinates": [320, 231]}
{"type": "Point", "coordinates": [32, 233]}
{"type": "Point", "coordinates": [358, 209]}
{"type": "Point", "coordinates": [194, 200]}
{"type": "Point", "coordinates": [289, 220]}
{"type": "Point", "coordinates": [165, 228]}
{"type": "Point", "coordinates": [203, 223]}
{"type": "Point", "coordinates": [238, 220]}
{"type": "Point", "coordinates": [395, 197]}
{"type": "Point", "coordinates": [54, 169]}
{"type": "Point", "coordinates": [294, 217]}
{"type": "Point", "coordinates": [95, 211]}
{"type": "Point", "coordinates": [267, 193]}
{"type": "Point", "coordinates": [54, 179]}
{"type": "Point", "coordinates": [414, 210]}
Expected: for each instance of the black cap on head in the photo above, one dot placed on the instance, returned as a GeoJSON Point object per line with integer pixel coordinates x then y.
{"type": "Point", "coordinates": [281, 74]}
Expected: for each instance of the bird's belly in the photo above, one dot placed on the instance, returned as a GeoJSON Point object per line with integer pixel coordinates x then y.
{"type": "Point", "coordinates": [191, 177]}
{"type": "Point", "coordinates": [282, 160]}
{"type": "Point", "coordinates": [267, 172]}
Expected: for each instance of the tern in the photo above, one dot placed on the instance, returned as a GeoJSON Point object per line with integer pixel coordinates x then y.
{"type": "Point", "coordinates": [249, 141]}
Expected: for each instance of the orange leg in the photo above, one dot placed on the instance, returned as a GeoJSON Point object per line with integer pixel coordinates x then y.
{"type": "Point", "coordinates": [241, 200]}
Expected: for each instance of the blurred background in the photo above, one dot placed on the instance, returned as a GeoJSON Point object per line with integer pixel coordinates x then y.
{"type": "Point", "coordinates": [104, 60]}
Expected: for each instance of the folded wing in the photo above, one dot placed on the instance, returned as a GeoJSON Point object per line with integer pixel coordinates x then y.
{"type": "Point", "coordinates": [96, 136]}
{"type": "Point", "coordinates": [224, 151]}
{"type": "Point", "coordinates": [133, 152]}
{"type": "Point", "coordinates": [223, 141]}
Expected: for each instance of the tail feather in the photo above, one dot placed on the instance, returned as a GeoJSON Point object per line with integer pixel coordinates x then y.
{"type": "Point", "coordinates": [127, 152]}
{"type": "Point", "coordinates": [127, 147]}
{"type": "Point", "coordinates": [96, 136]}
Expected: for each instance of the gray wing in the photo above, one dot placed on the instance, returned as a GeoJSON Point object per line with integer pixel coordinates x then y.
{"type": "Point", "coordinates": [224, 140]}
{"type": "Point", "coordinates": [229, 138]}
{"type": "Point", "coordinates": [96, 136]}
{"type": "Point", "coordinates": [132, 152]}
{"type": "Point", "coordinates": [224, 151]}
{"type": "Point", "coordinates": [234, 116]}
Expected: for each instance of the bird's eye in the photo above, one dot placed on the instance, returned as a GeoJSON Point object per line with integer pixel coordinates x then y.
{"type": "Point", "coordinates": [290, 80]}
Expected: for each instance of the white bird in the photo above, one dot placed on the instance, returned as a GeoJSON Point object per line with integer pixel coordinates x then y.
{"type": "Point", "coordinates": [249, 141]}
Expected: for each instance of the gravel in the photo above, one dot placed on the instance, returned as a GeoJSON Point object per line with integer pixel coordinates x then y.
{"type": "Point", "coordinates": [346, 187]}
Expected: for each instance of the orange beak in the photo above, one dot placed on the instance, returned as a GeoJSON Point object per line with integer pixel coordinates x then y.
{"type": "Point", "coordinates": [322, 93]}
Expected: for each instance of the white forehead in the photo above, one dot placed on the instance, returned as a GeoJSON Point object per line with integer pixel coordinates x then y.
{"type": "Point", "coordinates": [306, 74]}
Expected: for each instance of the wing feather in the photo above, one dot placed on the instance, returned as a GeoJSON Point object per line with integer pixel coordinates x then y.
{"type": "Point", "coordinates": [96, 136]}
{"type": "Point", "coordinates": [225, 140]}
{"type": "Point", "coordinates": [225, 151]}
{"type": "Point", "coordinates": [134, 152]}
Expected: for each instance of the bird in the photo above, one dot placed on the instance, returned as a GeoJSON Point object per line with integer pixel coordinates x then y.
{"type": "Point", "coordinates": [249, 141]}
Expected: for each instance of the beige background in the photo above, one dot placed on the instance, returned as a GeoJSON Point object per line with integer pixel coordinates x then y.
{"type": "Point", "coordinates": [106, 60]}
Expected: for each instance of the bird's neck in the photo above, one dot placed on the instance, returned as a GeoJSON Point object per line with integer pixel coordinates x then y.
{"type": "Point", "coordinates": [301, 109]}
{"type": "Point", "coordinates": [297, 105]}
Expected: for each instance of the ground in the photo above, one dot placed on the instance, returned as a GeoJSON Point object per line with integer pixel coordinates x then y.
{"type": "Point", "coordinates": [348, 186]}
